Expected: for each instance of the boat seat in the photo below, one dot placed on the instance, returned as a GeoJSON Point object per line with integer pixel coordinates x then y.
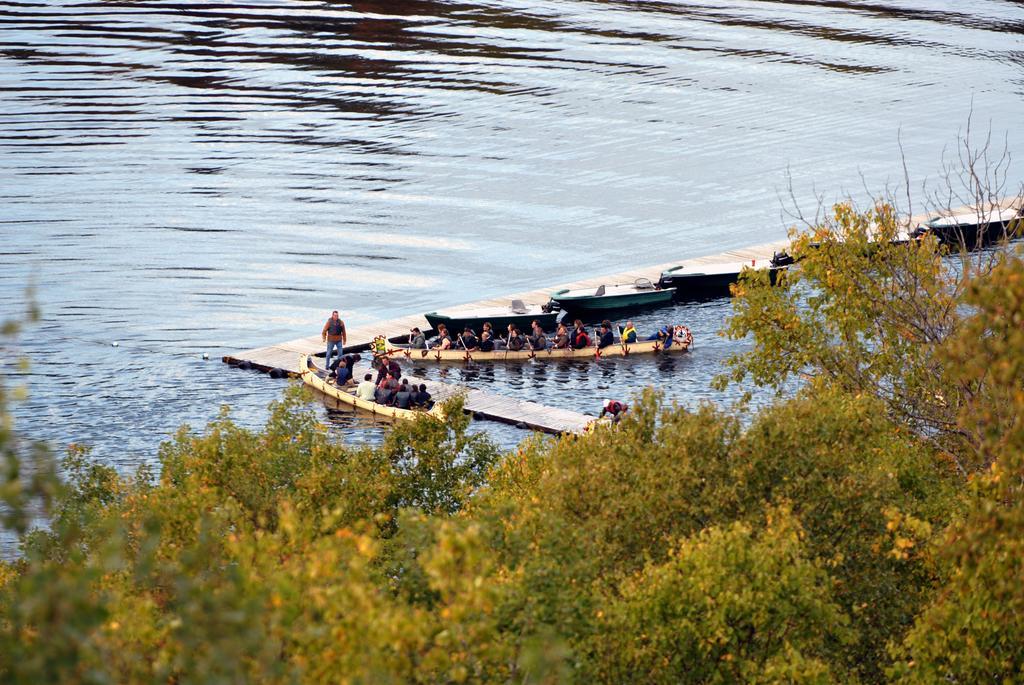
{"type": "Point", "coordinates": [518, 307]}
{"type": "Point", "coordinates": [643, 284]}
{"type": "Point", "coordinates": [600, 291]}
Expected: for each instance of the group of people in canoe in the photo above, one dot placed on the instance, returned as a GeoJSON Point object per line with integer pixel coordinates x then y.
{"type": "Point", "coordinates": [390, 389]}
{"type": "Point", "coordinates": [514, 340]}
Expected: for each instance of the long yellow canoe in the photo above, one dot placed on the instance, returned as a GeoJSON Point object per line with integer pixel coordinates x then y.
{"type": "Point", "coordinates": [616, 350]}
{"type": "Point", "coordinates": [315, 378]}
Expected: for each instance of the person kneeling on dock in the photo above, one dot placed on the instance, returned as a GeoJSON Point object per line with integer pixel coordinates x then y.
{"type": "Point", "coordinates": [367, 390]}
{"type": "Point", "coordinates": [403, 398]}
{"type": "Point", "coordinates": [614, 408]}
{"type": "Point", "coordinates": [343, 368]}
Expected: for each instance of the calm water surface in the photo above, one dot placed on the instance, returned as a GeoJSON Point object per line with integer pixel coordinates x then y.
{"type": "Point", "coordinates": [198, 177]}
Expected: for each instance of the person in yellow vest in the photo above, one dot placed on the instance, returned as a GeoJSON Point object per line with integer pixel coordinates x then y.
{"type": "Point", "coordinates": [628, 334]}
{"type": "Point", "coordinates": [334, 335]}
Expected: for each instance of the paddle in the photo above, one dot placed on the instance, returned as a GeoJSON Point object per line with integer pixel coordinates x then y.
{"type": "Point", "coordinates": [464, 346]}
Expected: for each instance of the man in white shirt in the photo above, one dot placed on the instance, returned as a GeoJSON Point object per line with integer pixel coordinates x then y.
{"type": "Point", "coordinates": [365, 390]}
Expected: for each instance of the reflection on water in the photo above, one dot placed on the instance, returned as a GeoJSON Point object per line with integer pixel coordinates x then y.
{"type": "Point", "coordinates": [198, 177]}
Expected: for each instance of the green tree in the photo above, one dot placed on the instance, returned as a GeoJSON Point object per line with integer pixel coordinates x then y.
{"type": "Point", "coordinates": [974, 631]}
{"type": "Point", "coordinates": [729, 605]}
{"type": "Point", "coordinates": [869, 316]}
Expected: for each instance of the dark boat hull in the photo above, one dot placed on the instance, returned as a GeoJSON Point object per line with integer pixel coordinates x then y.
{"type": "Point", "coordinates": [500, 323]}
{"type": "Point", "coordinates": [970, 235]}
{"type": "Point", "coordinates": [698, 286]}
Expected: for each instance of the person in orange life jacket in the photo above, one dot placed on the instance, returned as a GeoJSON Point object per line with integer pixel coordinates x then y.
{"type": "Point", "coordinates": [334, 335]}
{"type": "Point", "coordinates": [580, 339]}
{"type": "Point", "coordinates": [615, 408]}
{"type": "Point", "coordinates": [607, 337]}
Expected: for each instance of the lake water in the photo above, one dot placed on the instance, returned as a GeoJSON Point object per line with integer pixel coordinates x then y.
{"type": "Point", "coordinates": [200, 177]}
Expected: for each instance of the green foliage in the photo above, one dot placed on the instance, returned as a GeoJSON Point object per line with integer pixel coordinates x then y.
{"type": "Point", "coordinates": [864, 315]}
{"type": "Point", "coordinates": [974, 631]}
{"type": "Point", "coordinates": [438, 464]}
{"type": "Point", "coordinates": [577, 517]}
{"type": "Point", "coordinates": [728, 605]}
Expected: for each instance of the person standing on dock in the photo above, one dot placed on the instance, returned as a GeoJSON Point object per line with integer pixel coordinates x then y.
{"type": "Point", "coordinates": [334, 335]}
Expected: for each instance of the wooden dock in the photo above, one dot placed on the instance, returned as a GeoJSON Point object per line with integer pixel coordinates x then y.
{"type": "Point", "coordinates": [283, 355]}
{"type": "Point", "coordinates": [282, 358]}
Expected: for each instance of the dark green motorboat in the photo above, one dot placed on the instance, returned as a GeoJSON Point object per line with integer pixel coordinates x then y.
{"type": "Point", "coordinates": [637, 295]}
{"type": "Point", "coordinates": [516, 314]}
